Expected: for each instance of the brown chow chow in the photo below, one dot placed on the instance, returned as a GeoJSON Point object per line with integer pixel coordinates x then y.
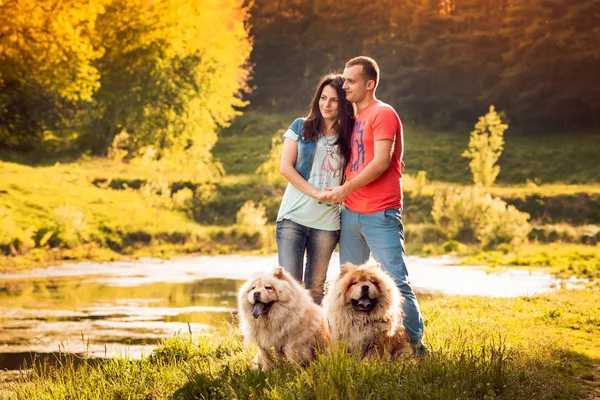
{"type": "Point", "coordinates": [364, 309]}
{"type": "Point", "coordinates": [280, 317]}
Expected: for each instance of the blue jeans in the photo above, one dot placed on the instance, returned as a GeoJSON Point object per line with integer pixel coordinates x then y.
{"type": "Point", "coordinates": [293, 240]}
{"type": "Point", "coordinates": [383, 234]}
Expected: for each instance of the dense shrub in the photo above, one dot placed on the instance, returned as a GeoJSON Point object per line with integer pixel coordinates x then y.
{"type": "Point", "coordinates": [70, 227]}
{"type": "Point", "coordinates": [13, 239]}
{"type": "Point", "coordinates": [472, 215]}
{"type": "Point", "coordinates": [270, 168]}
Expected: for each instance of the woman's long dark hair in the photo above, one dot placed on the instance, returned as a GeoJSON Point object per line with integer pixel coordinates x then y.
{"type": "Point", "coordinates": [315, 124]}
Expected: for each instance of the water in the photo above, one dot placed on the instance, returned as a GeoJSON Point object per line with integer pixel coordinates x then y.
{"type": "Point", "coordinates": [126, 308]}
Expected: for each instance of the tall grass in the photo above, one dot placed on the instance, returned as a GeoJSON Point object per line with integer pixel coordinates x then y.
{"type": "Point", "coordinates": [540, 347]}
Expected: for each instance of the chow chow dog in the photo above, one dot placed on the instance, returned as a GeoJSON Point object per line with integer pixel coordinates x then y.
{"type": "Point", "coordinates": [364, 309]}
{"type": "Point", "coordinates": [280, 317]}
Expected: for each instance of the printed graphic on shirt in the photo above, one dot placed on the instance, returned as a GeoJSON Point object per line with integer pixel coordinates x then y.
{"type": "Point", "coordinates": [327, 164]}
{"type": "Point", "coordinates": [331, 166]}
{"type": "Point", "coordinates": [358, 147]}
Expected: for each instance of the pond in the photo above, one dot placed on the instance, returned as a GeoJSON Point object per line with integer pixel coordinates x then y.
{"type": "Point", "coordinates": [126, 308]}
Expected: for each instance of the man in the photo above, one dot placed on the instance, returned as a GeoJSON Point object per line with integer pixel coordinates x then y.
{"type": "Point", "coordinates": [372, 194]}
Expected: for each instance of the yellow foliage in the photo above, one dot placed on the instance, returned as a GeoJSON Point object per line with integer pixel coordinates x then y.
{"type": "Point", "coordinates": [52, 43]}
{"type": "Point", "coordinates": [270, 168]}
{"type": "Point", "coordinates": [485, 146]}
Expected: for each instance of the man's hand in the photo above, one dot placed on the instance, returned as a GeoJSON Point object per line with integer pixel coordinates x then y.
{"type": "Point", "coordinates": [338, 193]}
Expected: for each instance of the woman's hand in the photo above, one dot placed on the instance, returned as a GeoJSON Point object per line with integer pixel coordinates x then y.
{"type": "Point", "coordinates": [321, 195]}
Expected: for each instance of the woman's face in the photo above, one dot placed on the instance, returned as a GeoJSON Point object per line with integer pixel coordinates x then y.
{"type": "Point", "coordinates": [329, 103]}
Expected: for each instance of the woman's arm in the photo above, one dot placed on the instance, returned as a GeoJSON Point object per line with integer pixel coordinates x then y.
{"type": "Point", "coordinates": [286, 168]}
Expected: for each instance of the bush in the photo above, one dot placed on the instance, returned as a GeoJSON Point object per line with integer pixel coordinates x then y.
{"type": "Point", "coordinates": [252, 216]}
{"type": "Point", "coordinates": [452, 246]}
{"type": "Point", "coordinates": [485, 146]}
{"type": "Point", "coordinates": [120, 147]}
{"type": "Point", "coordinates": [471, 215]}
{"type": "Point", "coordinates": [503, 224]}
{"type": "Point", "coordinates": [183, 198]}
{"type": "Point", "coordinates": [270, 168]}
{"type": "Point", "coordinates": [71, 227]}
{"type": "Point", "coordinates": [424, 233]}
{"type": "Point", "coordinates": [13, 239]}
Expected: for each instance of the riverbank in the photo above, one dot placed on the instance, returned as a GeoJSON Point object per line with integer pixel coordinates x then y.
{"type": "Point", "coordinates": [57, 209]}
{"type": "Point", "coordinates": [534, 347]}
{"type": "Point", "coordinates": [96, 210]}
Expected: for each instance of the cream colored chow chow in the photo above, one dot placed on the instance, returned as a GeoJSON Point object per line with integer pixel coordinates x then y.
{"type": "Point", "coordinates": [364, 309]}
{"type": "Point", "coordinates": [280, 317]}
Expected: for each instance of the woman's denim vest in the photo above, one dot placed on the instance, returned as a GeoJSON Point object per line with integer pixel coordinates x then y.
{"type": "Point", "coordinates": [306, 149]}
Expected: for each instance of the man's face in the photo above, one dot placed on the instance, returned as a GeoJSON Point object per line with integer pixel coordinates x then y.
{"type": "Point", "coordinates": [354, 84]}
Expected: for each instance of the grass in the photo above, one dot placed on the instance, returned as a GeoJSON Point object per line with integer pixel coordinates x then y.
{"type": "Point", "coordinates": [562, 159]}
{"type": "Point", "coordinates": [560, 259]}
{"type": "Point", "coordinates": [57, 213]}
{"type": "Point", "coordinates": [536, 347]}
{"type": "Point", "coordinates": [244, 146]}
{"type": "Point", "coordinates": [92, 208]}
{"type": "Point", "coordinates": [482, 348]}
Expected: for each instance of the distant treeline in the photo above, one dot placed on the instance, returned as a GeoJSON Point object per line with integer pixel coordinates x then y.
{"type": "Point", "coordinates": [443, 61]}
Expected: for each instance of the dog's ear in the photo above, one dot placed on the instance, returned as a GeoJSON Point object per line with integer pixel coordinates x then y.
{"type": "Point", "coordinates": [278, 273]}
{"type": "Point", "coordinates": [345, 268]}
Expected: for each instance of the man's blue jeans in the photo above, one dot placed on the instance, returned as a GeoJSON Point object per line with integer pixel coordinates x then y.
{"type": "Point", "coordinates": [293, 240]}
{"type": "Point", "coordinates": [382, 233]}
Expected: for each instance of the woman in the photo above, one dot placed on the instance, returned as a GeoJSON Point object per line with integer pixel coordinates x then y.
{"type": "Point", "coordinates": [313, 158]}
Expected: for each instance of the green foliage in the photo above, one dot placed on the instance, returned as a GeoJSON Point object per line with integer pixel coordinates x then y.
{"type": "Point", "coordinates": [269, 170]}
{"type": "Point", "coordinates": [470, 215]}
{"type": "Point", "coordinates": [102, 221]}
{"type": "Point", "coordinates": [251, 216]}
{"type": "Point", "coordinates": [441, 61]}
{"type": "Point", "coordinates": [561, 259]}
{"type": "Point", "coordinates": [243, 146]}
{"type": "Point", "coordinates": [485, 146]}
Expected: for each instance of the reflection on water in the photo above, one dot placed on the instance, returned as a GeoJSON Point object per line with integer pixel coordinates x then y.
{"type": "Point", "coordinates": [86, 315]}
{"type": "Point", "coordinates": [125, 308]}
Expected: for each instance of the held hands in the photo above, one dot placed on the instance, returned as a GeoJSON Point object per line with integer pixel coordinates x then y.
{"type": "Point", "coordinates": [321, 195]}
{"type": "Point", "coordinates": [338, 193]}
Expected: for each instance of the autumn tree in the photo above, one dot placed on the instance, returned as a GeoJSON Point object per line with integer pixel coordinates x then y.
{"type": "Point", "coordinates": [168, 73]}
{"type": "Point", "coordinates": [47, 52]}
{"type": "Point", "coordinates": [172, 72]}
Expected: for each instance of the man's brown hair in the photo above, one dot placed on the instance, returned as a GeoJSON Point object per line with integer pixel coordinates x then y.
{"type": "Point", "coordinates": [370, 69]}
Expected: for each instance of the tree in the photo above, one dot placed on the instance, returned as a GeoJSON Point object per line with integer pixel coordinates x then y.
{"type": "Point", "coordinates": [168, 72]}
{"type": "Point", "coordinates": [485, 146]}
{"type": "Point", "coordinates": [172, 72]}
{"type": "Point", "coordinates": [552, 67]}
{"type": "Point", "coordinates": [46, 55]}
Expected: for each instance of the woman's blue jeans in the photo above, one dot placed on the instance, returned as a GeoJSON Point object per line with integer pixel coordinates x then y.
{"type": "Point", "coordinates": [382, 233]}
{"type": "Point", "coordinates": [293, 241]}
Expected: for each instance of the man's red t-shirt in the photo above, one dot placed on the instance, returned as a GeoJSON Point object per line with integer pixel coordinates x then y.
{"type": "Point", "coordinates": [375, 122]}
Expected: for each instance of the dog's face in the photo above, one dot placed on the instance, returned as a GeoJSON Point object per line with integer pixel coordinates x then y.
{"type": "Point", "coordinates": [365, 287]}
{"type": "Point", "coordinates": [263, 291]}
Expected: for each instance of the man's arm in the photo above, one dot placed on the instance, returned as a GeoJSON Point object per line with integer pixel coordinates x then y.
{"type": "Point", "coordinates": [383, 150]}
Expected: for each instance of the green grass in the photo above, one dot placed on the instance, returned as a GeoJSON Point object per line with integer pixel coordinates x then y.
{"type": "Point", "coordinates": [244, 146]}
{"type": "Point", "coordinates": [120, 220]}
{"type": "Point", "coordinates": [560, 259]}
{"type": "Point", "coordinates": [67, 217]}
{"type": "Point", "coordinates": [537, 347]}
{"type": "Point", "coordinates": [551, 158]}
